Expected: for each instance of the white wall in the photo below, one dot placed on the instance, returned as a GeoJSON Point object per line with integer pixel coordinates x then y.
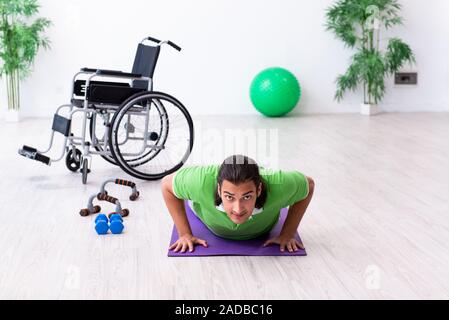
{"type": "Point", "coordinates": [225, 43]}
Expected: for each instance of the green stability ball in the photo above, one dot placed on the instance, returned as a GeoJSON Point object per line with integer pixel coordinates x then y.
{"type": "Point", "coordinates": [275, 92]}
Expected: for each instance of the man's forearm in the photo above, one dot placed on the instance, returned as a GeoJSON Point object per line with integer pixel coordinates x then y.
{"type": "Point", "coordinates": [177, 210]}
{"type": "Point", "coordinates": [295, 214]}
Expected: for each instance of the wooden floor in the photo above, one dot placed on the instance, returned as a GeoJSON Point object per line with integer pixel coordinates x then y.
{"type": "Point", "coordinates": [377, 228]}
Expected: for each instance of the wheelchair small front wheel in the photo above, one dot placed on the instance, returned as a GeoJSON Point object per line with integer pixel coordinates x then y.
{"type": "Point", "coordinates": [73, 160]}
{"type": "Point", "coordinates": [85, 170]}
{"type": "Point", "coordinates": [151, 135]}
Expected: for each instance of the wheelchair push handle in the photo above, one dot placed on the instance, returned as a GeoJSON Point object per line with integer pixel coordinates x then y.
{"type": "Point", "coordinates": [153, 39]}
{"type": "Point", "coordinates": [172, 44]}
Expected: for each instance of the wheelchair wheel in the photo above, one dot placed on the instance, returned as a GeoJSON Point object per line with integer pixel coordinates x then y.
{"type": "Point", "coordinates": [157, 134]}
{"type": "Point", "coordinates": [151, 135]}
{"type": "Point", "coordinates": [73, 160]}
{"type": "Point", "coordinates": [85, 170]}
{"type": "Point", "coordinates": [97, 135]}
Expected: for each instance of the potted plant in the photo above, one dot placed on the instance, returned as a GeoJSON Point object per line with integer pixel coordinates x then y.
{"type": "Point", "coordinates": [358, 23]}
{"type": "Point", "coordinates": [20, 41]}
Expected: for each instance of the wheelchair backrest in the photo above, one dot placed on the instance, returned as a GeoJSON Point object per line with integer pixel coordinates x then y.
{"type": "Point", "coordinates": [146, 59]}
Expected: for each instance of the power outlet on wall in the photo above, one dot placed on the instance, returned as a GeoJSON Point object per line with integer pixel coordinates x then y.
{"type": "Point", "coordinates": [406, 78]}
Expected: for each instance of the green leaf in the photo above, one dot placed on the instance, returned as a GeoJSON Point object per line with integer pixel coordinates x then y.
{"type": "Point", "coordinates": [353, 22]}
{"type": "Point", "coordinates": [20, 41]}
{"type": "Point", "coordinates": [397, 54]}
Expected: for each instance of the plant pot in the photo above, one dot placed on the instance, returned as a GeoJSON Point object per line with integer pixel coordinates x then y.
{"type": "Point", "coordinates": [12, 116]}
{"type": "Point", "coordinates": [368, 109]}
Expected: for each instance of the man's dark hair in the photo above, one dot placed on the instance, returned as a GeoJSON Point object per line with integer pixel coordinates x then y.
{"type": "Point", "coordinates": [239, 169]}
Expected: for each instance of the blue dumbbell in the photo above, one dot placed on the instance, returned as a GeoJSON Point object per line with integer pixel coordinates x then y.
{"type": "Point", "coordinates": [101, 224]}
{"type": "Point", "coordinates": [116, 224]}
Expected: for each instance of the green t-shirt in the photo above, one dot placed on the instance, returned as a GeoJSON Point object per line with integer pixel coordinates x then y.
{"type": "Point", "coordinates": [199, 184]}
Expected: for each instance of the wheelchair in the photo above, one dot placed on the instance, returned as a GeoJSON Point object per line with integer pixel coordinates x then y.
{"type": "Point", "coordinates": [148, 134]}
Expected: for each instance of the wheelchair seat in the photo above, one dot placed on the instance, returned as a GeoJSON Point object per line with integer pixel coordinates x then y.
{"type": "Point", "coordinates": [104, 92]}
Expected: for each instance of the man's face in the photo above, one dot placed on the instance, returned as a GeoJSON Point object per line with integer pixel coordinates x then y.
{"type": "Point", "coordinates": [239, 200]}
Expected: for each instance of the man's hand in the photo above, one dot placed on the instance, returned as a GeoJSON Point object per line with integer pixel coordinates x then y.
{"type": "Point", "coordinates": [187, 242]}
{"type": "Point", "coordinates": [285, 242]}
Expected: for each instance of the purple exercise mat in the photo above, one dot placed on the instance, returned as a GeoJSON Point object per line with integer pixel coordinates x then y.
{"type": "Point", "coordinates": [224, 247]}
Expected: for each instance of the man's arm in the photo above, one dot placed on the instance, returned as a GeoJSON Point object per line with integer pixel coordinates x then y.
{"type": "Point", "coordinates": [175, 206]}
{"type": "Point", "coordinates": [295, 214]}
{"type": "Point", "coordinates": [178, 213]}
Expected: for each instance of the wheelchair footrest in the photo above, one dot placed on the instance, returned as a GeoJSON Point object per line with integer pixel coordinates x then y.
{"type": "Point", "coordinates": [33, 154]}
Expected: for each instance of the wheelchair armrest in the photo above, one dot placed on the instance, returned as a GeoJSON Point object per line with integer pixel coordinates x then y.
{"type": "Point", "coordinates": [118, 74]}
{"type": "Point", "coordinates": [88, 70]}
{"type": "Point", "coordinates": [115, 73]}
